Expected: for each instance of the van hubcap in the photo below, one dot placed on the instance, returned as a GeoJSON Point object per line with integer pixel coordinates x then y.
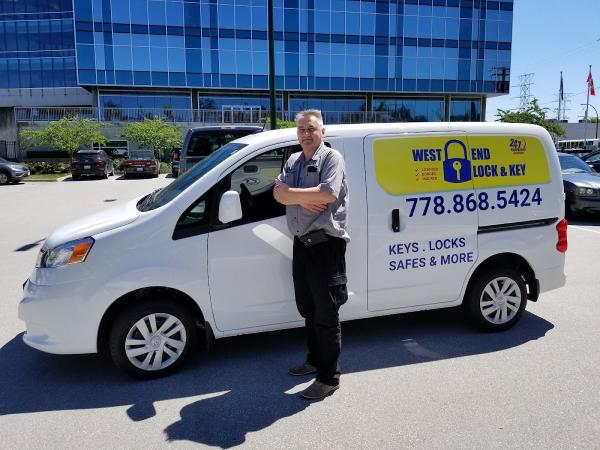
{"type": "Point", "coordinates": [155, 341]}
{"type": "Point", "coordinates": [500, 300]}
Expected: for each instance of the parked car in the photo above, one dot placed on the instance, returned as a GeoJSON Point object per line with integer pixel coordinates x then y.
{"type": "Point", "coordinates": [593, 160]}
{"type": "Point", "coordinates": [202, 141]}
{"type": "Point", "coordinates": [175, 157]}
{"type": "Point", "coordinates": [91, 163]}
{"type": "Point", "coordinates": [11, 172]}
{"type": "Point", "coordinates": [581, 184]}
{"type": "Point", "coordinates": [141, 162]}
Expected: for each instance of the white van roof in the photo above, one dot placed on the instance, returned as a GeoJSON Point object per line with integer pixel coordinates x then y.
{"type": "Point", "coordinates": [357, 130]}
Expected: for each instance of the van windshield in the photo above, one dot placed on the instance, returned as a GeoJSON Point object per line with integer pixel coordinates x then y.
{"type": "Point", "coordinates": [163, 196]}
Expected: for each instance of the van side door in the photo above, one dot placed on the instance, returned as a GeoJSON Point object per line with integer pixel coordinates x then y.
{"type": "Point", "coordinates": [422, 219]}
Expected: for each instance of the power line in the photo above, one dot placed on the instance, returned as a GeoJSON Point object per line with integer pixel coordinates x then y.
{"type": "Point", "coordinates": [562, 56]}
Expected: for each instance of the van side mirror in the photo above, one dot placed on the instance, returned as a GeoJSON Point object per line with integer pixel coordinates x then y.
{"type": "Point", "coordinates": [230, 207]}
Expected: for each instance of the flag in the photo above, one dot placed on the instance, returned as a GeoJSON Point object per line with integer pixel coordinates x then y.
{"type": "Point", "coordinates": [561, 94]}
{"type": "Point", "coordinates": [590, 83]}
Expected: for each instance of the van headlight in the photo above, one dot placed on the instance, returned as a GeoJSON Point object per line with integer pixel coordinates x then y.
{"type": "Point", "coordinates": [73, 252]}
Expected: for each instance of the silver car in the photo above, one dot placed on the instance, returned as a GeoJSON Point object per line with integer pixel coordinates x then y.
{"type": "Point", "coordinates": [11, 172]}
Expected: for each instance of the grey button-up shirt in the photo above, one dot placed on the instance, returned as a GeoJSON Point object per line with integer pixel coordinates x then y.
{"type": "Point", "coordinates": [327, 170]}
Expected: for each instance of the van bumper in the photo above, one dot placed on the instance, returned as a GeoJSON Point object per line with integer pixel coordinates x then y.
{"type": "Point", "coordinates": [551, 278]}
{"type": "Point", "coordinates": [58, 318]}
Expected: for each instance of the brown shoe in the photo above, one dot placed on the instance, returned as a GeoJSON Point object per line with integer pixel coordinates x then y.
{"type": "Point", "coordinates": [303, 369]}
{"type": "Point", "coordinates": [318, 390]}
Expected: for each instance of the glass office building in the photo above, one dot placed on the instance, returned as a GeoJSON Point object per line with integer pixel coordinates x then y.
{"type": "Point", "coordinates": [385, 60]}
{"type": "Point", "coordinates": [37, 44]}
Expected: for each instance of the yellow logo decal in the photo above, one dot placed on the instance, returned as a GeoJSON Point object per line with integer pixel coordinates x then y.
{"type": "Point", "coordinates": [446, 163]}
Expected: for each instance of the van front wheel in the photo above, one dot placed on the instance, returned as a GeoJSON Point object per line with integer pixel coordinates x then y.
{"type": "Point", "coordinates": [152, 339]}
{"type": "Point", "coordinates": [497, 299]}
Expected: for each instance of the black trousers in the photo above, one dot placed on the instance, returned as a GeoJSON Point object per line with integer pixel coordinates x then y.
{"type": "Point", "coordinates": [320, 287]}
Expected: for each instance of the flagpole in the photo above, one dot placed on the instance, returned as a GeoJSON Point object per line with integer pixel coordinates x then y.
{"type": "Point", "coordinates": [587, 107]}
{"type": "Point", "coordinates": [559, 98]}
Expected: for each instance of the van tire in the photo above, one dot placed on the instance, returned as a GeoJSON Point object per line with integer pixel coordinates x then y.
{"type": "Point", "coordinates": [487, 304]}
{"type": "Point", "coordinates": [181, 333]}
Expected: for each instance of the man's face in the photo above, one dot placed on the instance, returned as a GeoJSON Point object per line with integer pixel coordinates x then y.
{"type": "Point", "coordinates": [310, 133]}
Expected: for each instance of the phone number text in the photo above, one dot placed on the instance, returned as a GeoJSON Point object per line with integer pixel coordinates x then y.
{"type": "Point", "coordinates": [482, 201]}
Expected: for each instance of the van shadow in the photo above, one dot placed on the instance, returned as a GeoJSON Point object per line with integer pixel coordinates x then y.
{"type": "Point", "coordinates": [243, 381]}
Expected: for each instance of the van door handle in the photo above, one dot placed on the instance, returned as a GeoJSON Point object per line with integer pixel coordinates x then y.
{"type": "Point", "coordinates": [395, 220]}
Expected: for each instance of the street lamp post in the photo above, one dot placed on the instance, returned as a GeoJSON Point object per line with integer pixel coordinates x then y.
{"type": "Point", "coordinates": [596, 111]}
{"type": "Point", "coordinates": [272, 106]}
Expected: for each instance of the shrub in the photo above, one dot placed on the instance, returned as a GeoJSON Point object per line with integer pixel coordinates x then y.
{"type": "Point", "coordinates": [44, 167]}
{"type": "Point", "coordinates": [286, 124]}
{"type": "Point", "coordinates": [165, 167]}
{"type": "Point", "coordinates": [118, 164]}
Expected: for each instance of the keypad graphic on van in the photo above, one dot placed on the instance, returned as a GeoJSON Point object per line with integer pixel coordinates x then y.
{"type": "Point", "coordinates": [409, 165]}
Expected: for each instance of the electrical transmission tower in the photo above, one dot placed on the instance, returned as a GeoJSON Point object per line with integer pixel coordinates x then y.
{"type": "Point", "coordinates": [502, 75]}
{"type": "Point", "coordinates": [526, 81]}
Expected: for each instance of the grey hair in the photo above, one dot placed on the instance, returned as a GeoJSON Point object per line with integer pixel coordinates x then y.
{"type": "Point", "coordinates": [309, 113]}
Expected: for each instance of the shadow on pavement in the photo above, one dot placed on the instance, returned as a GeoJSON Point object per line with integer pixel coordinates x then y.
{"type": "Point", "coordinates": [244, 378]}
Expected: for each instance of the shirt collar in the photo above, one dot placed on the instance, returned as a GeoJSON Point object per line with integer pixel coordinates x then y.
{"type": "Point", "coordinates": [316, 155]}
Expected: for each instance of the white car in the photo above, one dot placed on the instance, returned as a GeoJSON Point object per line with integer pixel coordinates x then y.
{"type": "Point", "coordinates": [441, 214]}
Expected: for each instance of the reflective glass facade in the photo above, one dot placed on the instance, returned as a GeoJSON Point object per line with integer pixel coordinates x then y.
{"type": "Point", "coordinates": [356, 60]}
{"type": "Point", "coordinates": [228, 101]}
{"type": "Point", "coordinates": [409, 109]}
{"type": "Point", "coordinates": [424, 46]}
{"type": "Point", "coordinates": [37, 46]}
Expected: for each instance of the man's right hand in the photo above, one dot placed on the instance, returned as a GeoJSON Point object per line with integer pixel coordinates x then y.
{"type": "Point", "coordinates": [314, 207]}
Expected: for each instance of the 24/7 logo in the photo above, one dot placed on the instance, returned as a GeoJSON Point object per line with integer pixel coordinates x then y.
{"type": "Point", "coordinates": [517, 146]}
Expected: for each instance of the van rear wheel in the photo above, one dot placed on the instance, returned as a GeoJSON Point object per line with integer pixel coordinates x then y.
{"type": "Point", "coordinates": [497, 299]}
{"type": "Point", "coordinates": [152, 339]}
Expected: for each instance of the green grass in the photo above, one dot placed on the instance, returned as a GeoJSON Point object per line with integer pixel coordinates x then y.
{"type": "Point", "coordinates": [46, 176]}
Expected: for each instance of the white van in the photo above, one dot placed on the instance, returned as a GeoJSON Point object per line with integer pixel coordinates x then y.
{"type": "Point", "coordinates": [441, 214]}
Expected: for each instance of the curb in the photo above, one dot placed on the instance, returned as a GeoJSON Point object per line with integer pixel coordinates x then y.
{"type": "Point", "coordinates": [46, 181]}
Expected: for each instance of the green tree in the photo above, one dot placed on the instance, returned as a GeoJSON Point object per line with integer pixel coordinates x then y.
{"type": "Point", "coordinates": [68, 133]}
{"type": "Point", "coordinates": [154, 134]}
{"type": "Point", "coordinates": [533, 114]}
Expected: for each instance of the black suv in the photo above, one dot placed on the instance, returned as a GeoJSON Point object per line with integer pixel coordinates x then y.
{"type": "Point", "coordinates": [202, 141]}
{"type": "Point", "coordinates": [91, 162]}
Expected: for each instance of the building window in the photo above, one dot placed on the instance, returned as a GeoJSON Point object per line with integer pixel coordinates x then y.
{"type": "Point", "coordinates": [137, 106]}
{"type": "Point", "coordinates": [408, 109]}
{"type": "Point", "coordinates": [465, 110]}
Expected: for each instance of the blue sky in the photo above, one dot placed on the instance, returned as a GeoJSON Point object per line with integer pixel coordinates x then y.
{"type": "Point", "coordinates": [550, 36]}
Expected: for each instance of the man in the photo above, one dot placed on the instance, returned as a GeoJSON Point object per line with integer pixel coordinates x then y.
{"type": "Point", "coordinates": [313, 188]}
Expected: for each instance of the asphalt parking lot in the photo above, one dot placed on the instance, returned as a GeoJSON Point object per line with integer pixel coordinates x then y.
{"type": "Point", "coordinates": [423, 380]}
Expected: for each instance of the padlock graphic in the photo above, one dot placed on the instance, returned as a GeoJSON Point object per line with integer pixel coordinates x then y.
{"type": "Point", "coordinates": [456, 170]}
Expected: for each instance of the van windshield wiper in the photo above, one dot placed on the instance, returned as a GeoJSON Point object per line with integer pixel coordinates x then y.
{"type": "Point", "coordinates": [149, 200]}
